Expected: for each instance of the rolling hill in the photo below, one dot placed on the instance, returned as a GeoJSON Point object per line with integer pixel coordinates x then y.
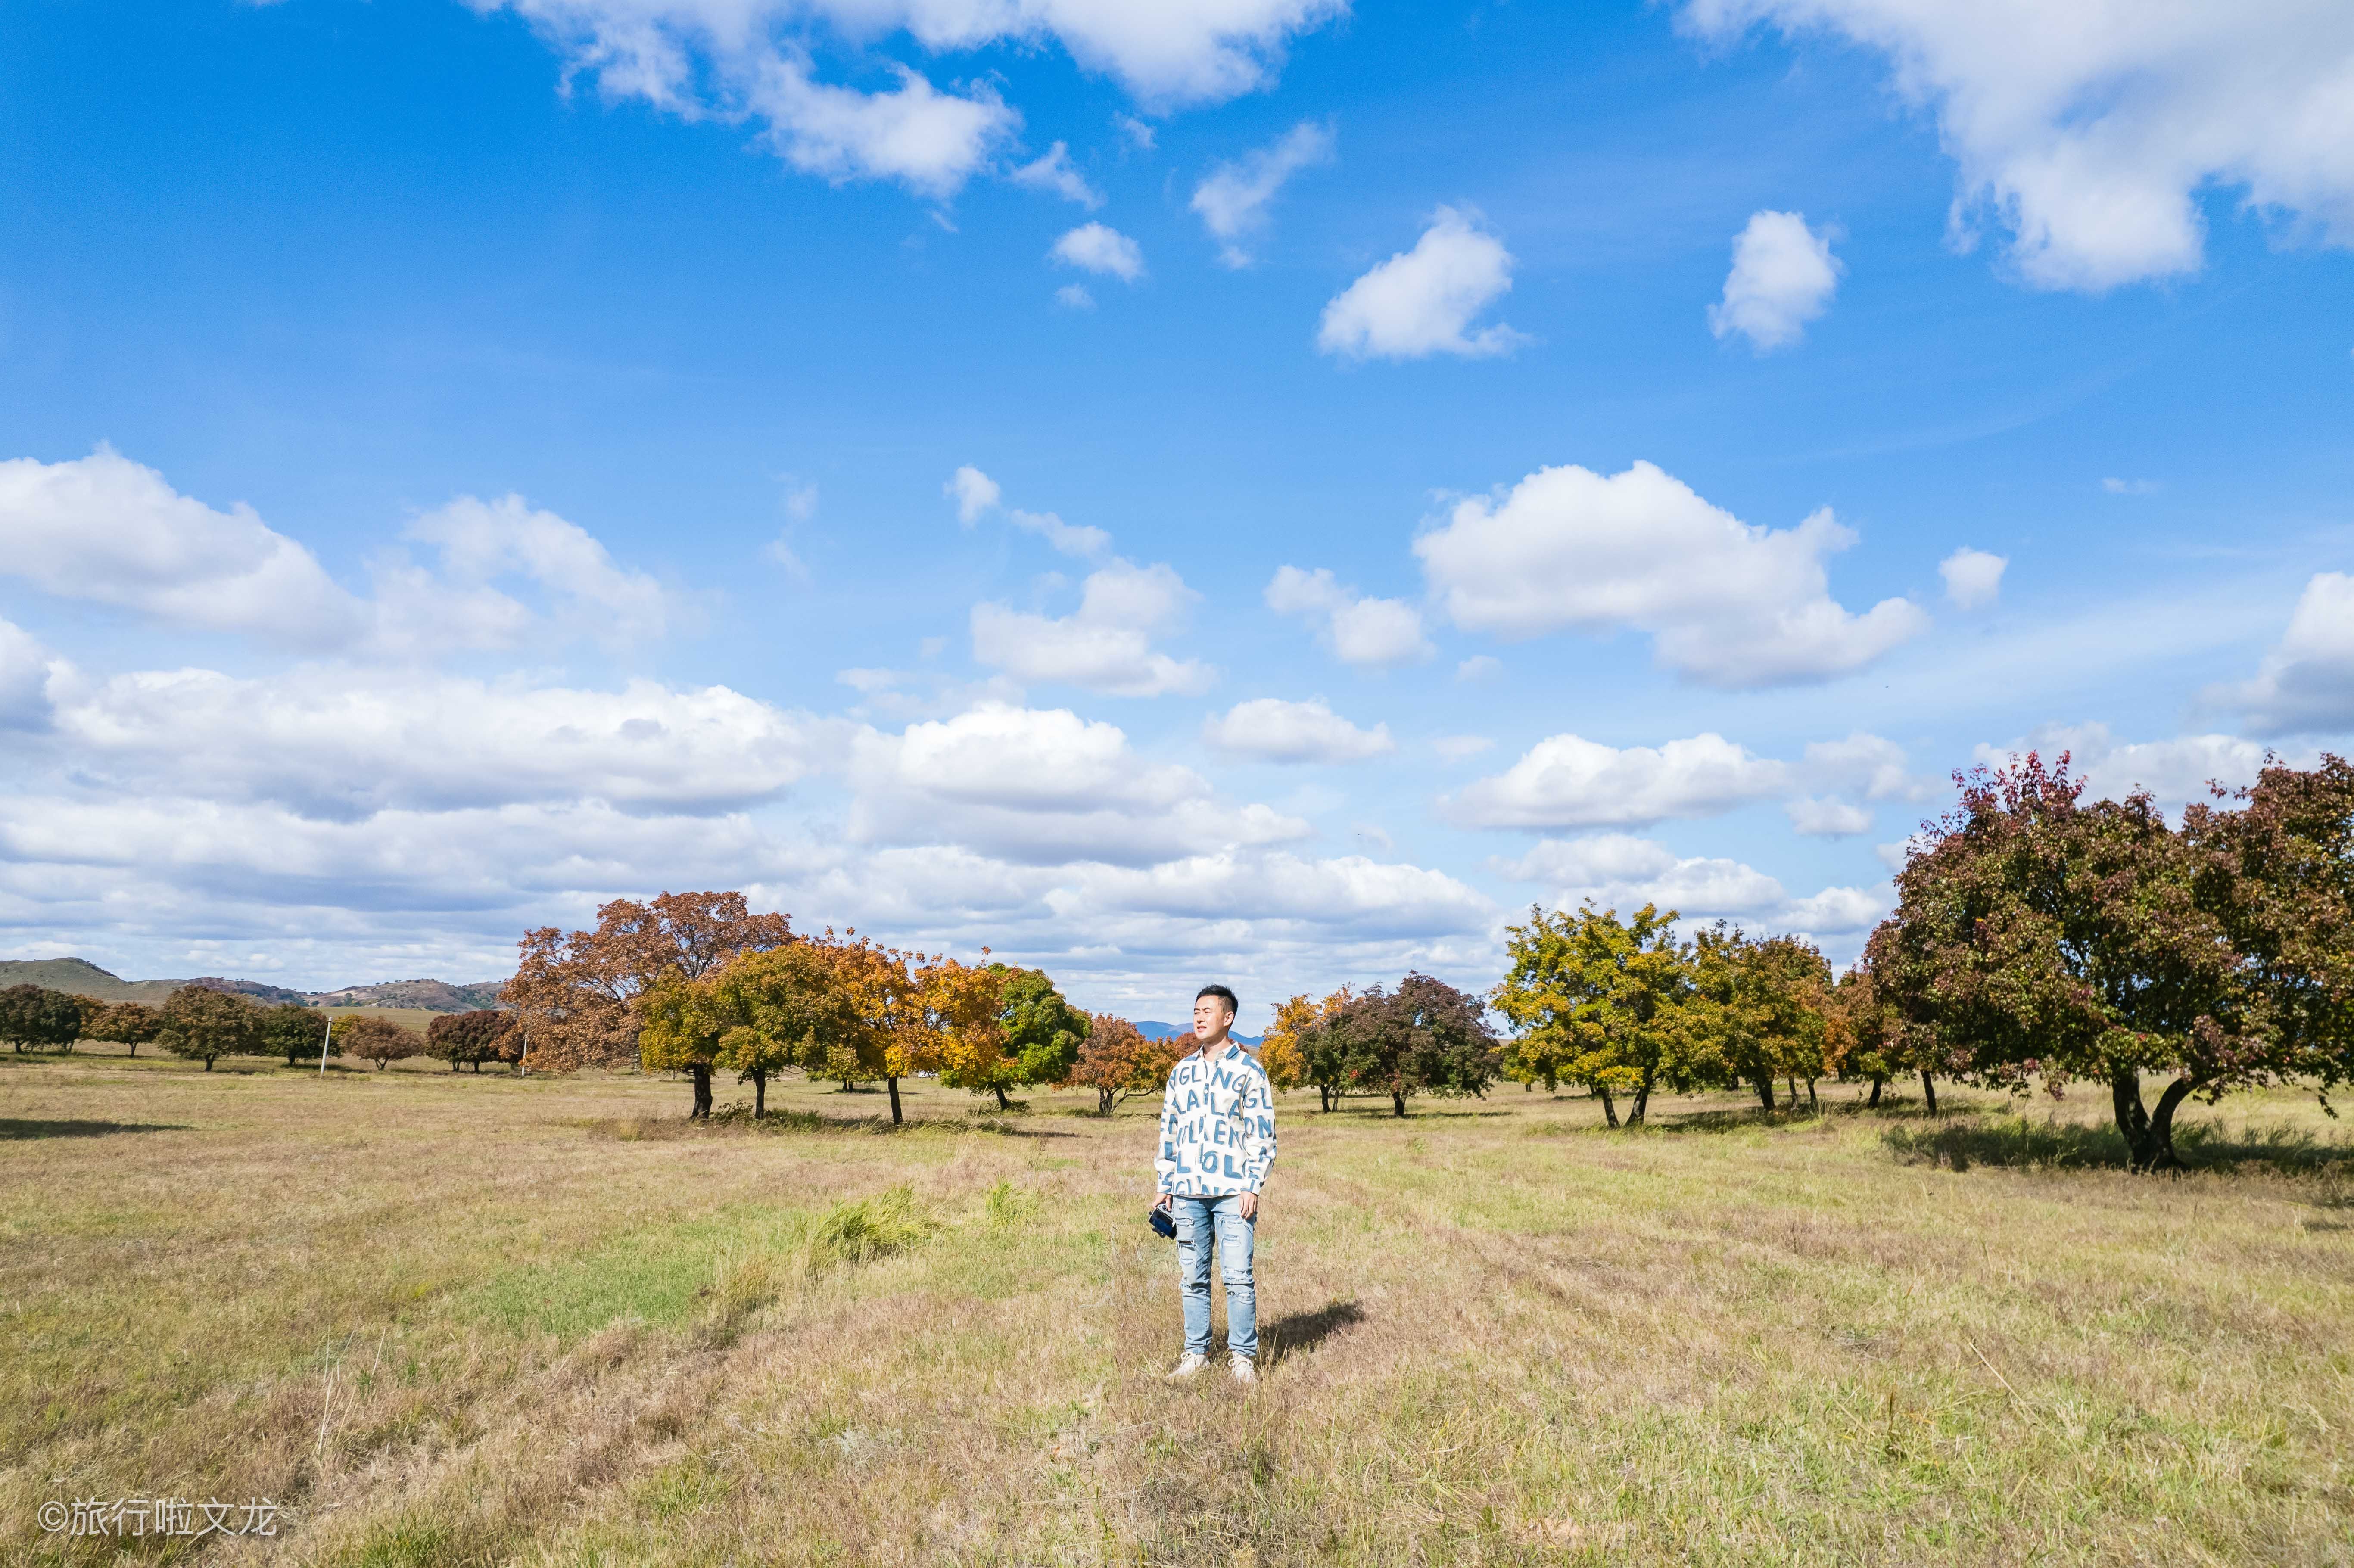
{"type": "Point", "coordinates": [82, 977]}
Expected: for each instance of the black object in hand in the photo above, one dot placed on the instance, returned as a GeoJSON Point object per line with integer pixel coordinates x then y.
{"type": "Point", "coordinates": [1163, 1222]}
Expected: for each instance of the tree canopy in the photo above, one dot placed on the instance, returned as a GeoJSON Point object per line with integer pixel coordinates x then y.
{"type": "Point", "coordinates": [1425, 1037]}
{"type": "Point", "coordinates": [203, 1024]}
{"type": "Point", "coordinates": [42, 1019]}
{"type": "Point", "coordinates": [485, 1034]}
{"type": "Point", "coordinates": [1117, 1061]}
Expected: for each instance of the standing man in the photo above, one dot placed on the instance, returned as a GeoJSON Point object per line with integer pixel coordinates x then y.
{"type": "Point", "coordinates": [1217, 1140]}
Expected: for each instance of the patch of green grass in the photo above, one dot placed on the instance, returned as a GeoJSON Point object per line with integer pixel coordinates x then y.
{"type": "Point", "coordinates": [661, 1275]}
{"type": "Point", "coordinates": [864, 1230]}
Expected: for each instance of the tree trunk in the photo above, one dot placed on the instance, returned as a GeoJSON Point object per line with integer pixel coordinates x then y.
{"type": "Point", "coordinates": [701, 1071]}
{"type": "Point", "coordinates": [1812, 1103]}
{"type": "Point", "coordinates": [1397, 1102]}
{"type": "Point", "coordinates": [1929, 1092]}
{"type": "Point", "coordinates": [1103, 1101]}
{"type": "Point", "coordinates": [1794, 1091]}
{"type": "Point", "coordinates": [453, 1062]}
{"type": "Point", "coordinates": [759, 1093]}
{"type": "Point", "coordinates": [1324, 1096]}
{"type": "Point", "coordinates": [1765, 1092]}
{"type": "Point", "coordinates": [1002, 1103]}
{"type": "Point", "coordinates": [1874, 1101]}
{"type": "Point", "coordinates": [1609, 1106]}
{"type": "Point", "coordinates": [478, 1067]}
{"type": "Point", "coordinates": [208, 1064]}
{"type": "Point", "coordinates": [134, 1048]}
{"type": "Point", "coordinates": [894, 1100]}
{"type": "Point", "coordinates": [2148, 1135]}
{"type": "Point", "coordinates": [1642, 1101]}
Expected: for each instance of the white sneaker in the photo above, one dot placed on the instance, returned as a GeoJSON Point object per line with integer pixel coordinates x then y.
{"type": "Point", "coordinates": [1244, 1370]}
{"type": "Point", "coordinates": [1187, 1366]}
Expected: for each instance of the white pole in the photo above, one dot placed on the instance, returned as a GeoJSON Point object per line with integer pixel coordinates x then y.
{"type": "Point", "coordinates": [325, 1035]}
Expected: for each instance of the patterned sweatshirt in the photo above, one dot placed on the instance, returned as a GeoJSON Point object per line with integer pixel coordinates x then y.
{"type": "Point", "coordinates": [1217, 1125]}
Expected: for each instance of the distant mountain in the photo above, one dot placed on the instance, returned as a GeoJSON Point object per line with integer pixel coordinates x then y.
{"type": "Point", "coordinates": [80, 977]}
{"type": "Point", "coordinates": [1151, 1028]}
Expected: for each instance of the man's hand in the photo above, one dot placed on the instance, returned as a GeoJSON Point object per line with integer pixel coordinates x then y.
{"type": "Point", "coordinates": [1249, 1205]}
{"type": "Point", "coordinates": [1161, 1202]}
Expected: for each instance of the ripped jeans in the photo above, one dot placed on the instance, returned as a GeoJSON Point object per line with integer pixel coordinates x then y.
{"type": "Point", "coordinates": [1197, 1219]}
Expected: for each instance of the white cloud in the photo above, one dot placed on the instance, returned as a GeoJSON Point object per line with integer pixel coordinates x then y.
{"type": "Point", "coordinates": [2306, 684]}
{"type": "Point", "coordinates": [2129, 486]}
{"type": "Point", "coordinates": [1568, 781]}
{"type": "Point", "coordinates": [2091, 130]}
{"type": "Point", "coordinates": [1783, 277]}
{"type": "Point", "coordinates": [1421, 302]}
{"type": "Point", "coordinates": [738, 59]}
{"type": "Point", "coordinates": [330, 742]}
{"type": "Point", "coordinates": [1272, 730]}
{"type": "Point", "coordinates": [107, 530]}
{"type": "Point", "coordinates": [24, 679]}
{"type": "Point", "coordinates": [1358, 629]}
{"type": "Point", "coordinates": [1232, 199]}
{"type": "Point", "coordinates": [1107, 645]}
{"type": "Point", "coordinates": [1823, 817]}
{"type": "Point", "coordinates": [1726, 604]}
{"type": "Point", "coordinates": [2175, 771]}
{"type": "Point", "coordinates": [1479, 667]}
{"type": "Point", "coordinates": [1973, 577]}
{"type": "Point", "coordinates": [1054, 174]}
{"type": "Point", "coordinates": [1043, 787]}
{"type": "Point", "coordinates": [1101, 248]}
{"type": "Point", "coordinates": [1075, 297]}
{"type": "Point", "coordinates": [1070, 538]}
{"type": "Point", "coordinates": [1136, 133]}
{"type": "Point", "coordinates": [1460, 748]}
{"type": "Point", "coordinates": [1867, 766]}
{"type": "Point", "coordinates": [1618, 871]}
{"type": "Point", "coordinates": [973, 492]}
{"type": "Point", "coordinates": [110, 531]}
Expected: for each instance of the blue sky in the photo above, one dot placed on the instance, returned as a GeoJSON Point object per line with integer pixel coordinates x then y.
{"type": "Point", "coordinates": [462, 464]}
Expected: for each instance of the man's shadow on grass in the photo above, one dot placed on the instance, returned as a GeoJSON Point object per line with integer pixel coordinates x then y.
{"type": "Point", "coordinates": [1296, 1332]}
{"type": "Point", "coordinates": [14, 1129]}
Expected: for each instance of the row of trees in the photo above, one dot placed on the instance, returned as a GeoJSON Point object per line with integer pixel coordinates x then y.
{"type": "Point", "coordinates": [201, 1023]}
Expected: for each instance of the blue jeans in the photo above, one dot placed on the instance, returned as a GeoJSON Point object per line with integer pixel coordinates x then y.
{"type": "Point", "coordinates": [1197, 1220]}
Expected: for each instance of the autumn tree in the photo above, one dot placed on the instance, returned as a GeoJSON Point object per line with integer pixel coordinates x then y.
{"type": "Point", "coordinates": [1000, 1028]}
{"type": "Point", "coordinates": [788, 1007]}
{"type": "Point", "coordinates": [1117, 1061]}
{"type": "Point", "coordinates": [486, 1034]}
{"type": "Point", "coordinates": [1321, 1064]}
{"type": "Point", "coordinates": [2042, 939]}
{"type": "Point", "coordinates": [1281, 1051]}
{"type": "Point", "coordinates": [1762, 1011]}
{"type": "Point", "coordinates": [128, 1024]}
{"type": "Point", "coordinates": [1600, 1001]}
{"type": "Point", "coordinates": [383, 1042]}
{"type": "Point", "coordinates": [1425, 1037]}
{"type": "Point", "coordinates": [293, 1029]}
{"type": "Point", "coordinates": [42, 1019]}
{"type": "Point", "coordinates": [885, 998]}
{"type": "Point", "coordinates": [574, 994]}
{"type": "Point", "coordinates": [203, 1024]}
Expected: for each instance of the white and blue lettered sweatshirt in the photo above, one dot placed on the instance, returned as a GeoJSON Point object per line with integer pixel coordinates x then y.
{"type": "Point", "coordinates": [1217, 1125]}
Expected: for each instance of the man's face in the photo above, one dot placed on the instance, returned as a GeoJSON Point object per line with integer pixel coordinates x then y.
{"type": "Point", "coordinates": [1210, 1016]}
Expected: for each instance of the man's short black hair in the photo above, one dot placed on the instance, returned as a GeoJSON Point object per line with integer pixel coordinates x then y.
{"type": "Point", "coordinates": [1223, 994]}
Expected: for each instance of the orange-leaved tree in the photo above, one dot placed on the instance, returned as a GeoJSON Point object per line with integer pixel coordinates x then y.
{"type": "Point", "coordinates": [886, 999]}
{"type": "Point", "coordinates": [575, 994]}
{"type": "Point", "coordinates": [1282, 1051]}
{"type": "Point", "coordinates": [1115, 1061]}
{"type": "Point", "coordinates": [965, 1003]}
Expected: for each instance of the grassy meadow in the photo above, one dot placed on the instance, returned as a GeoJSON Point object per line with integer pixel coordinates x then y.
{"type": "Point", "coordinates": [446, 1320]}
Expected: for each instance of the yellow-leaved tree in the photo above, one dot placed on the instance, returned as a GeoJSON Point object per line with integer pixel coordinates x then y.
{"type": "Point", "coordinates": [885, 998]}
{"type": "Point", "coordinates": [787, 1008]}
{"type": "Point", "coordinates": [1281, 1051]}
{"type": "Point", "coordinates": [965, 1003]}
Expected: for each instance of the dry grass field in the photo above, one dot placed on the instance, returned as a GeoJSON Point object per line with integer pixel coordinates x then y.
{"type": "Point", "coordinates": [482, 1320]}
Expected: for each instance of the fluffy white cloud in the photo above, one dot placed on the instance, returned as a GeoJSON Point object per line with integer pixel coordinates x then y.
{"type": "Point", "coordinates": [1098, 248]}
{"type": "Point", "coordinates": [2176, 771]}
{"type": "Point", "coordinates": [2306, 684]}
{"type": "Point", "coordinates": [1054, 174]}
{"type": "Point", "coordinates": [105, 529]}
{"type": "Point", "coordinates": [973, 492]}
{"type": "Point", "coordinates": [1232, 199]}
{"type": "Point", "coordinates": [2090, 130]}
{"type": "Point", "coordinates": [738, 59]}
{"type": "Point", "coordinates": [1568, 781]}
{"type": "Point", "coordinates": [1107, 645]}
{"type": "Point", "coordinates": [1273, 730]}
{"type": "Point", "coordinates": [1075, 297]}
{"type": "Point", "coordinates": [112, 532]}
{"type": "Point", "coordinates": [24, 679]}
{"type": "Point", "coordinates": [328, 742]}
{"type": "Point", "coordinates": [1823, 817]}
{"type": "Point", "coordinates": [1043, 787]}
{"type": "Point", "coordinates": [1620, 872]}
{"type": "Point", "coordinates": [1973, 577]}
{"type": "Point", "coordinates": [1358, 629]}
{"type": "Point", "coordinates": [1867, 766]}
{"type": "Point", "coordinates": [1783, 277]}
{"type": "Point", "coordinates": [1726, 604]}
{"type": "Point", "coordinates": [1421, 302]}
